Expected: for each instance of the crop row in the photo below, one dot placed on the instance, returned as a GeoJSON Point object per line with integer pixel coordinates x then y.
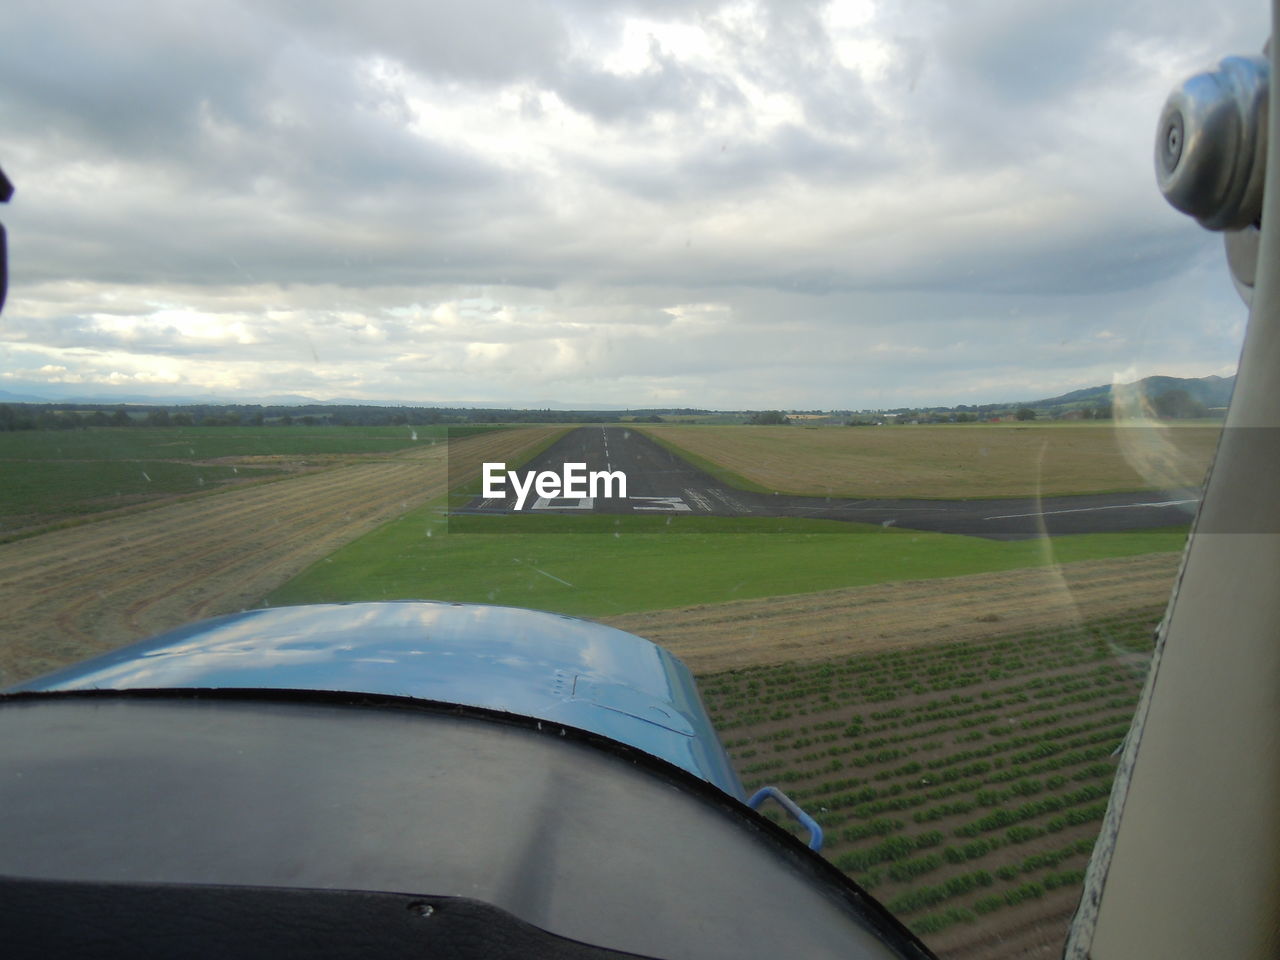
{"type": "Point", "coordinates": [907, 869]}
{"type": "Point", "coordinates": [1028, 890]}
{"type": "Point", "coordinates": [1001, 743]}
{"type": "Point", "coordinates": [1044, 744]}
{"type": "Point", "coordinates": [923, 897]}
{"type": "Point", "coordinates": [833, 810]}
{"type": "Point", "coordinates": [966, 717]}
{"type": "Point", "coordinates": [928, 896]}
{"type": "Point", "coordinates": [1033, 809]}
{"type": "Point", "coordinates": [894, 848]}
{"type": "Point", "coordinates": [1008, 655]}
{"type": "Point", "coordinates": [935, 922]}
{"type": "Point", "coordinates": [828, 696]}
{"type": "Point", "coordinates": [870, 689]}
{"type": "Point", "coordinates": [856, 792]}
{"type": "Point", "coordinates": [964, 720]}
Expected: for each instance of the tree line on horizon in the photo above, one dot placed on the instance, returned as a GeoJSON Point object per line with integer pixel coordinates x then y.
{"type": "Point", "coordinates": [70, 416]}
{"type": "Point", "coordinates": [1171, 403]}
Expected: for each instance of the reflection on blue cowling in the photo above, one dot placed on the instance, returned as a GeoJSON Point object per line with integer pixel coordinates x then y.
{"type": "Point", "coordinates": [552, 667]}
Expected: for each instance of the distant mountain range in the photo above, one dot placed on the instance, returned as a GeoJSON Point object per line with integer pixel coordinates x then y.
{"type": "Point", "coordinates": [1210, 391]}
{"type": "Point", "coordinates": [55, 395]}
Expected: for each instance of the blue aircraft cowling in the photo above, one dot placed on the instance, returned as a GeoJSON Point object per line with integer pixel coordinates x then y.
{"type": "Point", "coordinates": [554, 668]}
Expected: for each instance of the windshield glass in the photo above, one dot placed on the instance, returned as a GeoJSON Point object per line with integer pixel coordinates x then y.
{"type": "Point", "coordinates": [845, 349]}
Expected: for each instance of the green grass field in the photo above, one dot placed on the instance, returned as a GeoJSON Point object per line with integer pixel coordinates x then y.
{"type": "Point", "coordinates": [57, 490]}
{"type": "Point", "coordinates": [58, 476]}
{"type": "Point", "coordinates": [206, 443]}
{"type": "Point", "coordinates": [600, 566]}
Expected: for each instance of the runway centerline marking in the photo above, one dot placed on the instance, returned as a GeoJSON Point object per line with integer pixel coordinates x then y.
{"type": "Point", "coordinates": [574, 503]}
{"type": "Point", "coordinates": [664, 504]}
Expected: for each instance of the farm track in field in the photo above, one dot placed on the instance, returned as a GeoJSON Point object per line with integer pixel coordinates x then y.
{"type": "Point", "coordinates": [72, 593]}
{"type": "Point", "coordinates": [835, 623]}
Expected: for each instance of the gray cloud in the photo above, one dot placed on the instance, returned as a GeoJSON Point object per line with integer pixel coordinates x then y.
{"type": "Point", "coordinates": [617, 201]}
{"type": "Point", "coordinates": [490, 42]}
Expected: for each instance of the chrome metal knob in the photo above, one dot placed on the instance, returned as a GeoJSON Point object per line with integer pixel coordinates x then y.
{"type": "Point", "coordinates": [1211, 144]}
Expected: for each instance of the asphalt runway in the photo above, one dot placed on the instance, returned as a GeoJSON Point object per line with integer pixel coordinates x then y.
{"type": "Point", "coordinates": [660, 482]}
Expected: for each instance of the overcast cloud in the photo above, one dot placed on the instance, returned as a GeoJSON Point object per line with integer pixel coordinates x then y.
{"type": "Point", "coordinates": [733, 205]}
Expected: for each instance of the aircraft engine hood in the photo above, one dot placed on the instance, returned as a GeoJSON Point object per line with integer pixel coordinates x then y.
{"type": "Point", "coordinates": [554, 668]}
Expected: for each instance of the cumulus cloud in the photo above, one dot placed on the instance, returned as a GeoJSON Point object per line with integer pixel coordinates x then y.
{"type": "Point", "coordinates": [800, 204]}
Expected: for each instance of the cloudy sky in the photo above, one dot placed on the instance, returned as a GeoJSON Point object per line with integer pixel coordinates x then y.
{"type": "Point", "coordinates": [762, 204]}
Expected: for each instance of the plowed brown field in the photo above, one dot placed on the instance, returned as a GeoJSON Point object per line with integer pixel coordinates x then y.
{"type": "Point", "coordinates": [69, 594]}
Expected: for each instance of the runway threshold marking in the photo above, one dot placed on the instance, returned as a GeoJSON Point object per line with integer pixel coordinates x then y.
{"type": "Point", "coordinates": [701, 501]}
{"type": "Point", "coordinates": [729, 502]}
{"type": "Point", "coordinates": [1112, 506]}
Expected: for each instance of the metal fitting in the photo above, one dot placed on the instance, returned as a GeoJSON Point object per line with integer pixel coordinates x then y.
{"type": "Point", "coordinates": [1211, 144]}
{"type": "Point", "coordinates": [1211, 156]}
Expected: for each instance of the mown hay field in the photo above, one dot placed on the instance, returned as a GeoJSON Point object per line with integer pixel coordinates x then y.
{"type": "Point", "coordinates": [68, 594]}
{"type": "Point", "coordinates": [60, 477]}
{"type": "Point", "coordinates": [952, 461]}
